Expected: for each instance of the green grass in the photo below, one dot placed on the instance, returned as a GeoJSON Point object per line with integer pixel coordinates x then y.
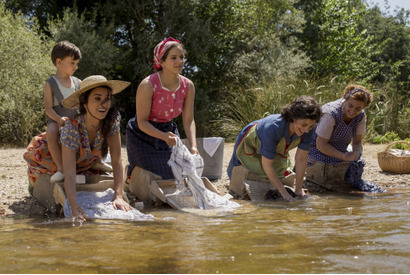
{"type": "Point", "coordinates": [389, 111]}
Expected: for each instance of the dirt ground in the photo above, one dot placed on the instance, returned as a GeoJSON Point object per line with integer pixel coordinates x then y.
{"type": "Point", "coordinates": [15, 199]}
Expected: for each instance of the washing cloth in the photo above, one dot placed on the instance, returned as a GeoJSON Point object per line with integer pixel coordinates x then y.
{"type": "Point", "coordinates": [354, 176]}
{"type": "Point", "coordinates": [98, 205]}
{"type": "Point", "coordinates": [275, 195]}
{"type": "Point", "coordinates": [184, 165]}
{"type": "Point", "coordinates": [211, 144]}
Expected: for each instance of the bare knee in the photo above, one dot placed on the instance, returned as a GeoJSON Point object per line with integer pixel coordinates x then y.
{"type": "Point", "coordinates": [52, 131]}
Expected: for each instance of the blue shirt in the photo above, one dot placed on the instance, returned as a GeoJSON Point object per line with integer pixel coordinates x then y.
{"type": "Point", "coordinates": [272, 129]}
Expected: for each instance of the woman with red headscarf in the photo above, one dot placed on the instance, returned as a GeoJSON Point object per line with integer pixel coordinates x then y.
{"type": "Point", "coordinates": [160, 98]}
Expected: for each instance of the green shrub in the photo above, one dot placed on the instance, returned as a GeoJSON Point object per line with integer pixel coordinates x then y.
{"type": "Point", "coordinates": [95, 41]}
{"type": "Point", "coordinates": [245, 106]}
{"type": "Point", "coordinates": [390, 137]}
{"type": "Point", "coordinates": [389, 110]}
{"type": "Point", "coordinates": [26, 64]}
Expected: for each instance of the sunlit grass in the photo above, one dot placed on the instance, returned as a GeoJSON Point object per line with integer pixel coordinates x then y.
{"type": "Point", "coordinates": [388, 111]}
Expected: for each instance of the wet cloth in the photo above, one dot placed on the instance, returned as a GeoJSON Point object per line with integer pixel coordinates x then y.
{"type": "Point", "coordinates": [148, 152]}
{"type": "Point", "coordinates": [342, 133]}
{"type": "Point", "coordinates": [167, 105]}
{"type": "Point", "coordinates": [98, 205]}
{"type": "Point", "coordinates": [354, 176]}
{"type": "Point", "coordinates": [60, 92]}
{"type": "Point", "coordinates": [73, 135]}
{"type": "Point", "coordinates": [268, 137]}
{"type": "Point", "coordinates": [187, 166]}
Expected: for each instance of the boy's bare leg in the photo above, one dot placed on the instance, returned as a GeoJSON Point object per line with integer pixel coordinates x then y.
{"type": "Point", "coordinates": [53, 146]}
{"type": "Point", "coordinates": [55, 150]}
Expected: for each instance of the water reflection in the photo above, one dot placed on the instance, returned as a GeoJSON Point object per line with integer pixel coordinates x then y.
{"type": "Point", "coordinates": [321, 234]}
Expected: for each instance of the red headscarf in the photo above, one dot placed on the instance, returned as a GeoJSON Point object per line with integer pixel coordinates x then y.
{"type": "Point", "coordinates": [161, 48]}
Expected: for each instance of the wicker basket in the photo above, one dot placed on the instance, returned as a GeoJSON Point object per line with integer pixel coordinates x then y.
{"type": "Point", "coordinates": [389, 162]}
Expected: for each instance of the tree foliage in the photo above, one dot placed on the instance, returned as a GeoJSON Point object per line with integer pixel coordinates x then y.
{"type": "Point", "coordinates": [391, 107]}
{"type": "Point", "coordinates": [25, 65]}
{"type": "Point", "coordinates": [234, 47]}
{"type": "Point", "coordinates": [334, 42]}
{"type": "Point", "coordinates": [228, 42]}
{"type": "Point", "coordinates": [99, 52]}
{"type": "Point", "coordinates": [393, 32]}
{"type": "Point", "coordinates": [42, 10]}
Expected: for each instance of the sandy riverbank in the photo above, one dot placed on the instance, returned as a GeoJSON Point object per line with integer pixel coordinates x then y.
{"type": "Point", "coordinates": [15, 199]}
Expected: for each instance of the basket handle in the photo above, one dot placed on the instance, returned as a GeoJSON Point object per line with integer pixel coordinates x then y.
{"type": "Point", "coordinates": [388, 147]}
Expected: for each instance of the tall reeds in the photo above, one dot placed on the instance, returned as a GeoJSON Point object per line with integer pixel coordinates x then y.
{"type": "Point", "coordinates": [388, 112]}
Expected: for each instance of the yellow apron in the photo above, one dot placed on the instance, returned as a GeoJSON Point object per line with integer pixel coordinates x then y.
{"type": "Point", "coordinates": [248, 154]}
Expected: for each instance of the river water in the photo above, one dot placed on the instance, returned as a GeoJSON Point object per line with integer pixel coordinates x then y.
{"type": "Point", "coordinates": [327, 233]}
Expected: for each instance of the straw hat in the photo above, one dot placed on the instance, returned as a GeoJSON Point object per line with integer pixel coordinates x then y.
{"type": "Point", "coordinates": [73, 101]}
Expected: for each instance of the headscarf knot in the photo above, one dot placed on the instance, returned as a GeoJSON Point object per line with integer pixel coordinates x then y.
{"type": "Point", "coordinates": [161, 48]}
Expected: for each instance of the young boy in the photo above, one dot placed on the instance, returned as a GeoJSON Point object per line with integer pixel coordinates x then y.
{"type": "Point", "coordinates": [65, 57]}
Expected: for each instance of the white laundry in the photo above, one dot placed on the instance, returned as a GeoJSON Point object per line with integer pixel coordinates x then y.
{"type": "Point", "coordinates": [212, 144]}
{"type": "Point", "coordinates": [107, 158]}
{"type": "Point", "coordinates": [98, 205]}
{"type": "Point", "coordinates": [400, 153]}
{"type": "Point", "coordinates": [184, 166]}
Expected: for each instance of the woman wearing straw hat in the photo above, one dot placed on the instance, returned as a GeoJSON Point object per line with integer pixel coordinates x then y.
{"type": "Point", "coordinates": [160, 98]}
{"type": "Point", "coordinates": [85, 139]}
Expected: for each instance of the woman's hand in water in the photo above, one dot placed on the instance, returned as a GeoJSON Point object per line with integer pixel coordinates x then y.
{"type": "Point", "coordinates": [119, 203]}
{"type": "Point", "coordinates": [79, 214]}
{"type": "Point", "coordinates": [300, 192]}
{"type": "Point", "coordinates": [170, 138]}
{"type": "Point", "coordinates": [286, 196]}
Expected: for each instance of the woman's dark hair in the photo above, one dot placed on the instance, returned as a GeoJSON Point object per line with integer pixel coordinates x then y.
{"type": "Point", "coordinates": [106, 123]}
{"type": "Point", "coordinates": [165, 55]}
{"type": "Point", "coordinates": [301, 108]}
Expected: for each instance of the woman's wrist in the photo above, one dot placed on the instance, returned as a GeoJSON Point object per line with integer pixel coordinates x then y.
{"type": "Point", "coordinates": [345, 156]}
{"type": "Point", "coordinates": [117, 195]}
{"type": "Point", "coordinates": [165, 136]}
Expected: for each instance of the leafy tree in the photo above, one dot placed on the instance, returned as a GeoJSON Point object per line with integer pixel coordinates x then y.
{"type": "Point", "coordinates": [42, 10]}
{"type": "Point", "coordinates": [263, 42]}
{"type": "Point", "coordinates": [98, 49]}
{"type": "Point", "coordinates": [334, 42]}
{"type": "Point", "coordinates": [25, 65]}
{"type": "Point", "coordinates": [229, 43]}
{"type": "Point", "coordinates": [391, 105]}
{"type": "Point", "coordinates": [394, 32]}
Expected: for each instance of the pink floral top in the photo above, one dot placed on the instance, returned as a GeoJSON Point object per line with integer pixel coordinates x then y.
{"type": "Point", "coordinates": [73, 135]}
{"type": "Point", "coordinates": [167, 105]}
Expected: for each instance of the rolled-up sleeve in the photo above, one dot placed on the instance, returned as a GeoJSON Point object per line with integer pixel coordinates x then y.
{"type": "Point", "coordinates": [326, 125]}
